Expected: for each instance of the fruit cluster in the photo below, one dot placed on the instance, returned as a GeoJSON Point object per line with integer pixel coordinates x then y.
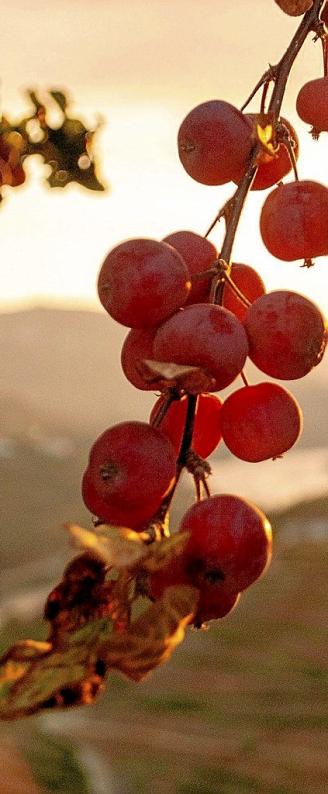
{"type": "Point", "coordinates": [195, 317]}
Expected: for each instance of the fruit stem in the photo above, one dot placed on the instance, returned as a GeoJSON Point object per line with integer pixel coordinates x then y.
{"type": "Point", "coordinates": [169, 398]}
{"type": "Point", "coordinates": [236, 290]}
{"type": "Point", "coordinates": [266, 78]}
{"type": "Point", "coordinates": [244, 379]}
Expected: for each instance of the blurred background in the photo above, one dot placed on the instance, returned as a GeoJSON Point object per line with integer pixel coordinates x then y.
{"type": "Point", "coordinates": [242, 706]}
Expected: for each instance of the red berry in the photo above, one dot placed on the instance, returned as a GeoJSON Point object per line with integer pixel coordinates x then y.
{"type": "Point", "coordinates": [286, 334]}
{"type": "Point", "coordinates": [214, 142]}
{"type": "Point", "coordinates": [271, 167]}
{"type": "Point", "coordinates": [293, 221]}
{"type": "Point", "coordinates": [260, 422]}
{"type": "Point", "coordinates": [111, 511]}
{"type": "Point", "coordinates": [214, 602]}
{"type": "Point", "coordinates": [137, 347]}
{"type": "Point", "coordinates": [142, 282]}
{"type": "Point", "coordinates": [207, 431]}
{"type": "Point", "coordinates": [207, 336]}
{"type": "Point", "coordinates": [230, 541]}
{"type": "Point", "coordinates": [248, 282]}
{"type": "Point", "coordinates": [132, 462]}
{"type": "Point", "coordinates": [312, 104]}
{"type": "Point", "coordinates": [199, 255]}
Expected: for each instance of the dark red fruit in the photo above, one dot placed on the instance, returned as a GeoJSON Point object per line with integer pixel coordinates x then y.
{"type": "Point", "coordinates": [131, 463]}
{"type": "Point", "coordinates": [271, 167]}
{"type": "Point", "coordinates": [142, 282]}
{"type": "Point", "coordinates": [199, 255]}
{"type": "Point", "coordinates": [206, 336]}
{"type": "Point", "coordinates": [214, 602]}
{"type": "Point", "coordinates": [260, 422]}
{"type": "Point", "coordinates": [214, 142]}
{"type": "Point", "coordinates": [248, 282]}
{"type": "Point", "coordinates": [293, 221]}
{"type": "Point", "coordinates": [137, 347]}
{"type": "Point", "coordinates": [312, 104]}
{"type": "Point", "coordinates": [207, 431]}
{"type": "Point", "coordinates": [286, 334]}
{"type": "Point", "coordinates": [230, 541]}
{"type": "Point", "coordinates": [125, 513]}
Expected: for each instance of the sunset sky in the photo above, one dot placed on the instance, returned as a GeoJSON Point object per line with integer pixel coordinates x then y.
{"type": "Point", "coordinates": [142, 65]}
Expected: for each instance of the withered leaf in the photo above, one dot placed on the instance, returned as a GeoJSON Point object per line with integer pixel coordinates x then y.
{"type": "Point", "coordinates": [116, 546]}
{"type": "Point", "coordinates": [154, 635]}
{"type": "Point", "coordinates": [181, 376]}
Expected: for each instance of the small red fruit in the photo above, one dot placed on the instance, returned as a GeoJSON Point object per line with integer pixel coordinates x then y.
{"type": "Point", "coordinates": [271, 167]}
{"type": "Point", "coordinates": [199, 255]}
{"type": "Point", "coordinates": [207, 432]}
{"type": "Point", "coordinates": [207, 336]}
{"type": "Point", "coordinates": [293, 221]}
{"type": "Point", "coordinates": [142, 282]}
{"type": "Point", "coordinates": [312, 104]}
{"type": "Point", "coordinates": [286, 334]}
{"type": "Point", "coordinates": [248, 282]}
{"type": "Point", "coordinates": [260, 422]}
{"type": "Point", "coordinates": [214, 142]}
{"type": "Point", "coordinates": [138, 346]}
{"type": "Point", "coordinates": [230, 540]}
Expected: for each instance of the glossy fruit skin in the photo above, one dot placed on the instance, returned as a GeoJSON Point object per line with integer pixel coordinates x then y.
{"type": "Point", "coordinates": [294, 8]}
{"type": "Point", "coordinates": [214, 142]}
{"type": "Point", "coordinates": [207, 430]}
{"type": "Point", "coordinates": [271, 169]}
{"type": "Point", "coordinates": [199, 255]}
{"type": "Point", "coordinates": [120, 513]}
{"type": "Point", "coordinates": [131, 463]}
{"type": "Point", "coordinates": [260, 422]}
{"type": "Point", "coordinates": [250, 284]}
{"type": "Point", "coordinates": [293, 221]}
{"type": "Point", "coordinates": [137, 346]}
{"type": "Point", "coordinates": [312, 103]}
{"type": "Point", "coordinates": [286, 334]}
{"type": "Point", "coordinates": [214, 601]}
{"type": "Point", "coordinates": [142, 282]}
{"type": "Point", "coordinates": [206, 336]}
{"type": "Point", "coordinates": [229, 537]}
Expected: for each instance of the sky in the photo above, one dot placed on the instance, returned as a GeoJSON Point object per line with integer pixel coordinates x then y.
{"type": "Point", "coordinates": [142, 65]}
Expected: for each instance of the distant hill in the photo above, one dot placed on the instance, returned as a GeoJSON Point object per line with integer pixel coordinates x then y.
{"type": "Point", "coordinates": [61, 375]}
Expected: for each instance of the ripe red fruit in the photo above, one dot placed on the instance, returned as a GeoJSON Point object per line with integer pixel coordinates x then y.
{"type": "Point", "coordinates": [207, 430]}
{"type": "Point", "coordinates": [214, 142]}
{"type": "Point", "coordinates": [138, 346]}
{"type": "Point", "coordinates": [230, 539]}
{"type": "Point", "coordinates": [199, 255]}
{"type": "Point", "coordinates": [260, 422]}
{"type": "Point", "coordinates": [271, 168]}
{"type": "Point", "coordinates": [293, 221]}
{"type": "Point", "coordinates": [214, 602]}
{"type": "Point", "coordinates": [142, 282]}
{"type": "Point", "coordinates": [286, 334]}
{"type": "Point", "coordinates": [312, 104]}
{"type": "Point", "coordinates": [206, 336]}
{"type": "Point", "coordinates": [248, 282]}
{"type": "Point", "coordinates": [108, 510]}
{"type": "Point", "coordinates": [132, 463]}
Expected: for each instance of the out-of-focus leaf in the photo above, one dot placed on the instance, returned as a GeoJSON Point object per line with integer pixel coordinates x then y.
{"type": "Point", "coordinates": [159, 554]}
{"type": "Point", "coordinates": [116, 546]}
{"type": "Point", "coordinates": [60, 98]}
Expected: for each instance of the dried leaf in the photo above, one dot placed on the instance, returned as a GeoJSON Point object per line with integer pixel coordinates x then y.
{"type": "Point", "coordinates": [294, 8]}
{"type": "Point", "coordinates": [116, 546]}
{"type": "Point", "coordinates": [159, 554]}
{"type": "Point", "coordinates": [193, 379]}
{"type": "Point", "coordinates": [153, 636]}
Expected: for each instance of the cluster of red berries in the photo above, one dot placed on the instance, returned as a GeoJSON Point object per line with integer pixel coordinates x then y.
{"type": "Point", "coordinates": [163, 292]}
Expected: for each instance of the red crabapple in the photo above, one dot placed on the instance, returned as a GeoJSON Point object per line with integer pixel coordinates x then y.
{"type": "Point", "coordinates": [125, 513]}
{"type": "Point", "coordinates": [214, 142]}
{"type": "Point", "coordinates": [207, 336]}
{"type": "Point", "coordinates": [132, 462]}
{"type": "Point", "coordinates": [214, 601]}
{"type": "Point", "coordinates": [142, 282]}
{"type": "Point", "coordinates": [286, 334]}
{"type": "Point", "coordinates": [248, 282]}
{"type": "Point", "coordinates": [312, 104]}
{"type": "Point", "coordinates": [230, 541]}
{"type": "Point", "coordinates": [207, 431]}
{"type": "Point", "coordinates": [293, 221]}
{"type": "Point", "coordinates": [260, 422]}
{"type": "Point", "coordinates": [199, 255]}
{"type": "Point", "coordinates": [138, 346]}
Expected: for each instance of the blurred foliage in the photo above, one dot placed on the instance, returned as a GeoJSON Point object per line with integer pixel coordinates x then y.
{"type": "Point", "coordinates": [65, 144]}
